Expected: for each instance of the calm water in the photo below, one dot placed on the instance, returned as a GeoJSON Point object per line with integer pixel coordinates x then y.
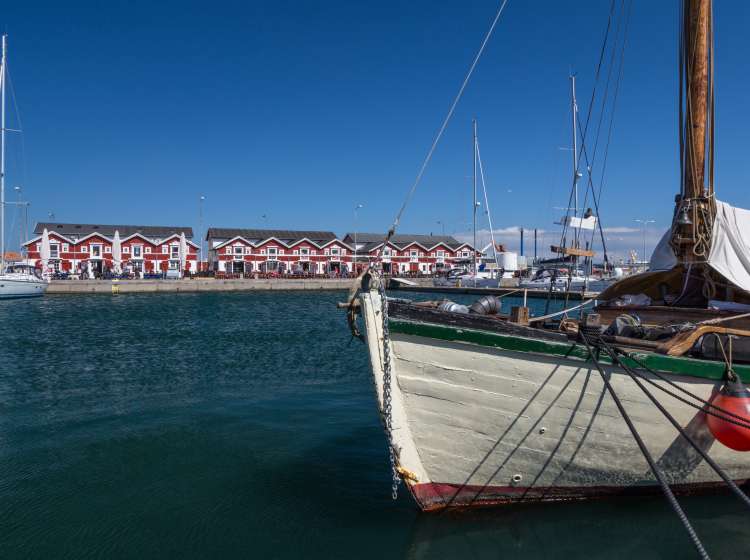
{"type": "Point", "coordinates": [244, 425]}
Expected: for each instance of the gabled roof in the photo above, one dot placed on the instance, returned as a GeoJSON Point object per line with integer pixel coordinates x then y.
{"type": "Point", "coordinates": [285, 236]}
{"type": "Point", "coordinates": [82, 230]}
{"type": "Point", "coordinates": [402, 240]}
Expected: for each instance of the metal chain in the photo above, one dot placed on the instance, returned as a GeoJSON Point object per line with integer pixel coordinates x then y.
{"type": "Point", "coordinates": [387, 407]}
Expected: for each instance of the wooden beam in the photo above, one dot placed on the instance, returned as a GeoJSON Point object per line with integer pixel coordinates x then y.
{"type": "Point", "coordinates": [572, 251]}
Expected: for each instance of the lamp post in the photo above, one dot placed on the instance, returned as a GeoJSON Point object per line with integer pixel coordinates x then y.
{"type": "Point", "coordinates": [201, 200]}
{"type": "Point", "coordinates": [354, 263]}
{"type": "Point", "coordinates": [644, 224]}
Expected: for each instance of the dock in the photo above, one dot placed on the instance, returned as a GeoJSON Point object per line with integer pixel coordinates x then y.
{"type": "Point", "coordinates": [195, 285]}
{"type": "Point", "coordinates": [529, 293]}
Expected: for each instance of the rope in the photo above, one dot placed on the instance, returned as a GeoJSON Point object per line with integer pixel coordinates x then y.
{"type": "Point", "coordinates": [649, 459]}
{"type": "Point", "coordinates": [705, 407]}
{"type": "Point", "coordinates": [447, 119]}
{"type": "Point", "coordinates": [721, 472]}
{"type": "Point", "coordinates": [543, 317]}
{"type": "Point", "coordinates": [487, 206]}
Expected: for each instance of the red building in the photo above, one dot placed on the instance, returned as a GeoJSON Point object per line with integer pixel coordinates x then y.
{"type": "Point", "coordinates": [144, 249]}
{"type": "Point", "coordinates": [409, 253]}
{"type": "Point", "coordinates": [249, 251]}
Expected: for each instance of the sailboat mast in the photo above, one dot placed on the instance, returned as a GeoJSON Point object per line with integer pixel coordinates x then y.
{"type": "Point", "coordinates": [474, 204]}
{"type": "Point", "coordinates": [695, 207]}
{"type": "Point", "coordinates": [574, 115]}
{"type": "Point", "coordinates": [696, 19]}
{"type": "Point", "coordinates": [3, 75]}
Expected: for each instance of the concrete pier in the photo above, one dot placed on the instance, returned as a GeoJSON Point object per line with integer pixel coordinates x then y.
{"type": "Point", "coordinates": [194, 285]}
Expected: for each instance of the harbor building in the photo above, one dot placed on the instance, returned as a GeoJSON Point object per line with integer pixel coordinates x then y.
{"type": "Point", "coordinates": [143, 249]}
{"type": "Point", "coordinates": [270, 251]}
{"type": "Point", "coordinates": [410, 253]}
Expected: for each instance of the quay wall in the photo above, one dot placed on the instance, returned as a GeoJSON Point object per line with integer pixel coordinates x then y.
{"type": "Point", "coordinates": [194, 285]}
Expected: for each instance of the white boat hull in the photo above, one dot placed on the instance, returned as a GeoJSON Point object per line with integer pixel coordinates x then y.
{"type": "Point", "coordinates": [479, 425]}
{"type": "Point", "coordinates": [21, 286]}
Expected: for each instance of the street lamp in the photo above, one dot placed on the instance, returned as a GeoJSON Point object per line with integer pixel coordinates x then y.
{"type": "Point", "coordinates": [644, 224]}
{"type": "Point", "coordinates": [201, 200]}
{"type": "Point", "coordinates": [356, 210]}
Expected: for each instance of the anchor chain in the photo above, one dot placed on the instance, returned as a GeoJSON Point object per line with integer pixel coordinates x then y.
{"type": "Point", "coordinates": [387, 380]}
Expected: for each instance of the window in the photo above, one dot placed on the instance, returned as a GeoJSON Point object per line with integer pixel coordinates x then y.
{"type": "Point", "coordinates": [296, 252]}
{"type": "Point", "coordinates": [326, 251]}
{"type": "Point", "coordinates": [137, 251]}
{"type": "Point", "coordinates": [54, 251]}
{"type": "Point", "coordinates": [334, 250]}
{"type": "Point", "coordinates": [108, 249]}
{"type": "Point", "coordinates": [38, 247]}
{"type": "Point", "coordinates": [65, 247]}
{"type": "Point", "coordinates": [304, 252]}
{"type": "Point", "coordinates": [312, 252]}
{"type": "Point", "coordinates": [272, 252]}
{"type": "Point", "coordinates": [441, 254]}
{"type": "Point", "coordinates": [126, 250]}
{"type": "Point", "coordinates": [174, 251]}
{"type": "Point", "coordinates": [84, 249]}
{"type": "Point", "coordinates": [281, 251]}
{"type": "Point", "coordinates": [148, 250]}
{"type": "Point", "coordinates": [164, 249]}
{"type": "Point", "coordinates": [414, 254]}
{"type": "Point", "coordinates": [239, 251]}
{"type": "Point", "coordinates": [174, 265]}
{"type": "Point", "coordinates": [228, 251]}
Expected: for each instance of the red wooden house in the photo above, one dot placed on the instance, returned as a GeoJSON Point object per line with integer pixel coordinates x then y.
{"type": "Point", "coordinates": [78, 247]}
{"type": "Point", "coordinates": [266, 251]}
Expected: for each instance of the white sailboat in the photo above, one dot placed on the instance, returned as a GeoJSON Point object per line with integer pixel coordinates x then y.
{"type": "Point", "coordinates": [483, 409]}
{"type": "Point", "coordinates": [16, 280]}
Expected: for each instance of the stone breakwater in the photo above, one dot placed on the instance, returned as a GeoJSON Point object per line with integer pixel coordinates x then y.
{"type": "Point", "coordinates": [194, 285]}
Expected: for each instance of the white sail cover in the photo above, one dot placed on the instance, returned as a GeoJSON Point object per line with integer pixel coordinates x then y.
{"type": "Point", "coordinates": [183, 253]}
{"type": "Point", "coordinates": [730, 246]}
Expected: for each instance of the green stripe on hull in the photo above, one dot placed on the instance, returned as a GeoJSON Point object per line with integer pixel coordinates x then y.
{"type": "Point", "coordinates": [658, 362]}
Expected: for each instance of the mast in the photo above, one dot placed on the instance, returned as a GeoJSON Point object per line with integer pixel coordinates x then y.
{"type": "Point", "coordinates": [695, 208]}
{"type": "Point", "coordinates": [474, 205]}
{"type": "Point", "coordinates": [574, 115]}
{"type": "Point", "coordinates": [3, 74]}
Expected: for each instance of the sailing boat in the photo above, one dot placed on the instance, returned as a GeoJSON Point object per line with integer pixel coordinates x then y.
{"type": "Point", "coordinates": [16, 280]}
{"type": "Point", "coordinates": [482, 409]}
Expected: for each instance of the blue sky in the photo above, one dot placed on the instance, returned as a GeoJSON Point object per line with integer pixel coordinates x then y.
{"type": "Point", "coordinates": [301, 110]}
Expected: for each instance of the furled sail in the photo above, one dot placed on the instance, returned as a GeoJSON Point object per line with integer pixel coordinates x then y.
{"type": "Point", "coordinates": [730, 246]}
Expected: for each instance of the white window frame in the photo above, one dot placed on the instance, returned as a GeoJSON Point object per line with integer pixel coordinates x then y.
{"type": "Point", "coordinates": [147, 250]}
{"type": "Point", "coordinates": [238, 252]}
{"type": "Point", "coordinates": [84, 249]}
{"type": "Point", "coordinates": [54, 250]}
{"type": "Point", "coordinates": [108, 249]}
{"type": "Point", "coordinates": [273, 253]}
{"type": "Point", "coordinates": [165, 249]}
{"type": "Point", "coordinates": [139, 251]}
{"type": "Point", "coordinates": [174, 252]}
{"type": "Point", "coordinates": [126, 250]}
{"type": "Point", "coordinates": [65, 248]}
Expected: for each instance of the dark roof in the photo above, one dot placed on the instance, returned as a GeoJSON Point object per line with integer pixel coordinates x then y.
{"type": "Point", "coordinates": [285, 235]}
{"type": "Point", "coordinates": [81, 230]}
{"type": "Point", "coordinates": [402, 239]}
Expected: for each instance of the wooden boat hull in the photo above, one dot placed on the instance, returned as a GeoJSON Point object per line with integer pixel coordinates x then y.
{"type": "Point", "coordinates": [484, 418]}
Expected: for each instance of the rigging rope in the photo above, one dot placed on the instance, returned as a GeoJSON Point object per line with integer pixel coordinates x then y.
{"type": "Point", "coordinates": [647, 455]}
{"type": "Point", "coordinates": [447, 119]}
{"type": "Point", "coordinates": [487, 206]}
{"type": "Point", "coordinates": [706, 457]}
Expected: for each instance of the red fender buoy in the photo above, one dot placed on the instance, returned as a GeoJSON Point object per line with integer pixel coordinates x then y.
{"type": "Point", "coordinates": [735, 398]}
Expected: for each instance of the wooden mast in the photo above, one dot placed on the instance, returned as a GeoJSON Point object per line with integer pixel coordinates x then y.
{"type": "Point", "coordinates": [694, 212]}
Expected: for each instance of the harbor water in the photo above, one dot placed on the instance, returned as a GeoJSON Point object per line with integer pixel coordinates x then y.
{"type": "Point", "coordinates": [244, 425]}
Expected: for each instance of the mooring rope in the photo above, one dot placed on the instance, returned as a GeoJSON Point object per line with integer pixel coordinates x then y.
{"type": "Point", "coordinates": [447, 119]}
{"type": "Point", "coordinates": [649, 458]}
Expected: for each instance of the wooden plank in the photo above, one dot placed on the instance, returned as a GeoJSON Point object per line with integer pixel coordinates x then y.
{"type": "Point", "coordinates": [572, 251]}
